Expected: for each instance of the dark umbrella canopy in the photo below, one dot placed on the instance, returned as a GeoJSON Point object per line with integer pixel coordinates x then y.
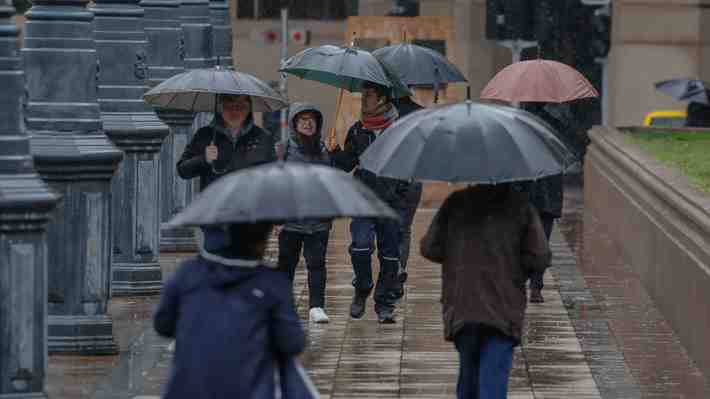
{"type": "Point", "coordinates": [417, 65]}
{"type": "Point", "coordinates": [690, 90]}
{"type": "Point", "coordinates": [282, 192]}
{"type": "Point", "coordinates": [198, 90]}
{"type": "Point", "coordinates": [468, 142]}
{"type": "Point", "coordinates": [344, 67]}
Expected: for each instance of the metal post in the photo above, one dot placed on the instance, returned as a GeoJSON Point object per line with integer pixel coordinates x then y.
{"type": "Point", "coordinates": [516, 48]}
{"type": "Point", "coordinates": [25, 206]}
{"type": "Point", "coordinates": [135, 129]}
{"type": "Point", "coordinates": [283, 84]}
{"type": "Point", "coordinates": [75, 157]}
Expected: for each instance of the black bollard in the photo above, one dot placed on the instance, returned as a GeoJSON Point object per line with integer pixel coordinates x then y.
{"type": "Point", "coordinates": [134, 128]}
{"type": "Point", "coordinates": [75, 157]}
{"type": "Point", "coordinates": [25, 206]}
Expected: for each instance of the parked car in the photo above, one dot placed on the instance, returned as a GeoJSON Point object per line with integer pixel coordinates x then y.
{"type": "Point", "coordinates": [665, 118]}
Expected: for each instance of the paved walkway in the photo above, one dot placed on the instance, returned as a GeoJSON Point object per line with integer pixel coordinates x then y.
{"type": "Point", "coordinates": [570, 350]}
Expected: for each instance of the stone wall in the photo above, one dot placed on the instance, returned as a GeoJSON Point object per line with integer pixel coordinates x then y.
{"type": "Point", "coordinates": [661, 227]}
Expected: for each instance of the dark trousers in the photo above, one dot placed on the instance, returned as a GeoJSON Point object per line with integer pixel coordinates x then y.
{"type": "Point", "coordinates": [364, 231]}
{"type": "Point", "coordinates": [406, 215]}
{"type": "Point", "coordinates": [547, 222]}
{"type": "Point", "coordinates": [314, 248]}
{"type": "Point", "coordinates": [485, 361]}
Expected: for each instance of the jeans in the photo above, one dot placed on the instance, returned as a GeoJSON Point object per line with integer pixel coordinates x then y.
{"type": "Point", "coordinates": [213, 238]}
{"type": "Point", "coordinates": [547, 222]}
{"type": "Point", "coordinates": [363, 232]}
{"type": "Point", "coordinates": [314, 249]}
{"type": "Point", "coordinates": [406, 215]}
{"type": "Point", "coordinates": [485, 361]}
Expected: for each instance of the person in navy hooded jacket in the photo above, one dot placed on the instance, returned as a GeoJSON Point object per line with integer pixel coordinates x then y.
{"type": "Point", "coordinates": [233, 320]}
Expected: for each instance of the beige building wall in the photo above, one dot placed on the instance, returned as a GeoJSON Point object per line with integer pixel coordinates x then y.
{"type": "Point", "coordinates": [479, 59]}
{"type": "Point", "coordinates": [654, 40]}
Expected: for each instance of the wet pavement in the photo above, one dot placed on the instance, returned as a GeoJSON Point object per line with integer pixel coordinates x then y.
{"type": "Point", "coordinates": [593, 337]}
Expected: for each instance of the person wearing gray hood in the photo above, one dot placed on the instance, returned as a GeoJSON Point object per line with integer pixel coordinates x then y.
{"type": "Point", "coordinates": [305, 145]}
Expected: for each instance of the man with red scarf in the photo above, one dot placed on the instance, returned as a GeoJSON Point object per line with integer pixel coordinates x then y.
{"type": "Point", "coordinates": [378, 113]}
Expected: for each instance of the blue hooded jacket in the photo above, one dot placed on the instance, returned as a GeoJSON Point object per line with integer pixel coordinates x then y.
{"type": "Point", "coordinates": [233, 320]}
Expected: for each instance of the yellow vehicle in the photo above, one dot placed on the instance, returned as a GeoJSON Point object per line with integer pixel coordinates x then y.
{"type": "Point", "coordinates": [669, 118]}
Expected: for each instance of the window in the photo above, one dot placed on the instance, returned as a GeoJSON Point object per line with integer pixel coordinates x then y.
{"type": "Point", "coordinates": [298, 9]}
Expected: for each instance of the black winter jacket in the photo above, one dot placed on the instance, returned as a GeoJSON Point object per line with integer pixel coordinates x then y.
{"type": "Point", "coordinates": [391, 191]}
{"type": "Point", "coordinates": [254, 147]}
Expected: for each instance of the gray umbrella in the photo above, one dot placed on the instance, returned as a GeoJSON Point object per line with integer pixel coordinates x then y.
{"type": "Point", "coordinates": [417, 65]}
{"type": "Point", "coordinates": [198, 90]}
{"type": "Point", "coordinates": [691, 90]}
{"type": "Point", "coordinates": [282, 192]}
{"type": "Point", "coordinates": [468, 142]}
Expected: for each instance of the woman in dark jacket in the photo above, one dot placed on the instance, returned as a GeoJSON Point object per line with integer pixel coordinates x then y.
{"type": "Point", "coordinates": [305, 145]}
{"type": "Point", "coordinates": [489, 239]}
{"type": "Point", "coordinates": [233, 319]}
{"type": "Point", "coordinates": [231, 143]}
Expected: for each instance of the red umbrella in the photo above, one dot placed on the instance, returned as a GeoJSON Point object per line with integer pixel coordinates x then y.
{"type": "Point", "coordinates": [538, 81]}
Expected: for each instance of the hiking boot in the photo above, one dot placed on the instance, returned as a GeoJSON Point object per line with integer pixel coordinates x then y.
{"type": "Point", "coordinates": [386, 317]}
{"type": "Point", "coordinates": [536, 296]}
{"type": "Point", "coordinates": [318, 315]}
{"type": "Point", "coordinates": [357, 308]}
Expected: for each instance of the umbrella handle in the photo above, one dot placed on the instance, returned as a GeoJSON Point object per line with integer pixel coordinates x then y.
{"type": "Point", "coordinates": [332, 135]}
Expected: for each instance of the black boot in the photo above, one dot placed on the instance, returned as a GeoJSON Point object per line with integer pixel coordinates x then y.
{"type": "Point", "coordinates": [357, 308]}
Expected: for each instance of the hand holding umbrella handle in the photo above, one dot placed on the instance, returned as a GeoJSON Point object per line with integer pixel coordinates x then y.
{"type": "Point", "coordinates": [211, 153]}
{"type": "Point", "coordinates": [332, 140]}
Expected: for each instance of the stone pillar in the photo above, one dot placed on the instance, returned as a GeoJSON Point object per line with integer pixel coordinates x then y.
{"type": "Point", "coordinates": [197, 33]}
{"type": "Point", "coordinates": [25, 206]}
{"type": "Point", "coordinates": [176, 192]}
{"type": "Point", "coordinates": [221, 33]}
{"type": "Point", "coordinates": [135, 129]}
{"type": "Point", "coordinates": [166, 48]}
{"type": "Point", "coordinates": [75, 157]}
{"type": "Point", "coordinates": [166, 54]}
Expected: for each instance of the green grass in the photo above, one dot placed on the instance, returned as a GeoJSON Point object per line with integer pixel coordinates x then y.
{"type": "Point", "coordinates": [687, 151]}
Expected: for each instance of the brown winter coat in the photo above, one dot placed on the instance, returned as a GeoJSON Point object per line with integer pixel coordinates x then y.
{"type": "Point", "coordinates": [488, 240]}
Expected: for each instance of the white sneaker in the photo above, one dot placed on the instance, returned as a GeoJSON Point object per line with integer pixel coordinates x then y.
{"type": "Point", "coordinates": [317, 315]}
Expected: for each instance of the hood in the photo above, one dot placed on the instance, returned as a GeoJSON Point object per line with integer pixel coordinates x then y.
{"type": "Point", "coordinates": [225, 269]}
{"type": "Point", "coordinates": [297, 108]}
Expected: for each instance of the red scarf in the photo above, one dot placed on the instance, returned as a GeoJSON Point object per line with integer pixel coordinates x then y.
{"type": "Point", "coordinates": [381, 120]}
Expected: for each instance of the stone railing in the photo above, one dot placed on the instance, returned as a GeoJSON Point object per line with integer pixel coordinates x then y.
{"type": "Point", "coordinates": [661, 228]}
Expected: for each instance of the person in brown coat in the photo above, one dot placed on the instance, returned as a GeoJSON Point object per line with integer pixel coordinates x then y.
{"type": "Point", "coordinates": [489, 239]}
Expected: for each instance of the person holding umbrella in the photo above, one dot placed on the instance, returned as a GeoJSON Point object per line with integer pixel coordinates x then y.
{"type": "Point", "coordinates": [543, 87]}
{"type": "Point", "coordinates": [231, 313]}
{"type": "Point", "coordinates": [233, 142]}
{"type": "Point", "coordinates": [378, 113]}
{"type": "Point", "coordinates": [414, 66]}
{"type": "Point", "coordinates": [311, 236]}
{"type": "Point", "coordinates": [488, 237]}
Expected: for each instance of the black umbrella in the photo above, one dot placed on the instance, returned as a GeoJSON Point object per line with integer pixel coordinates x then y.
{"type": "Point", "coordinates": [690, 90]}
{"type": "Point", "coordinates": [417, 65]}
{"type": "Point", "coordinates": [282, 192]}
{"type": "Point", "coordinates": [468, 142]}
